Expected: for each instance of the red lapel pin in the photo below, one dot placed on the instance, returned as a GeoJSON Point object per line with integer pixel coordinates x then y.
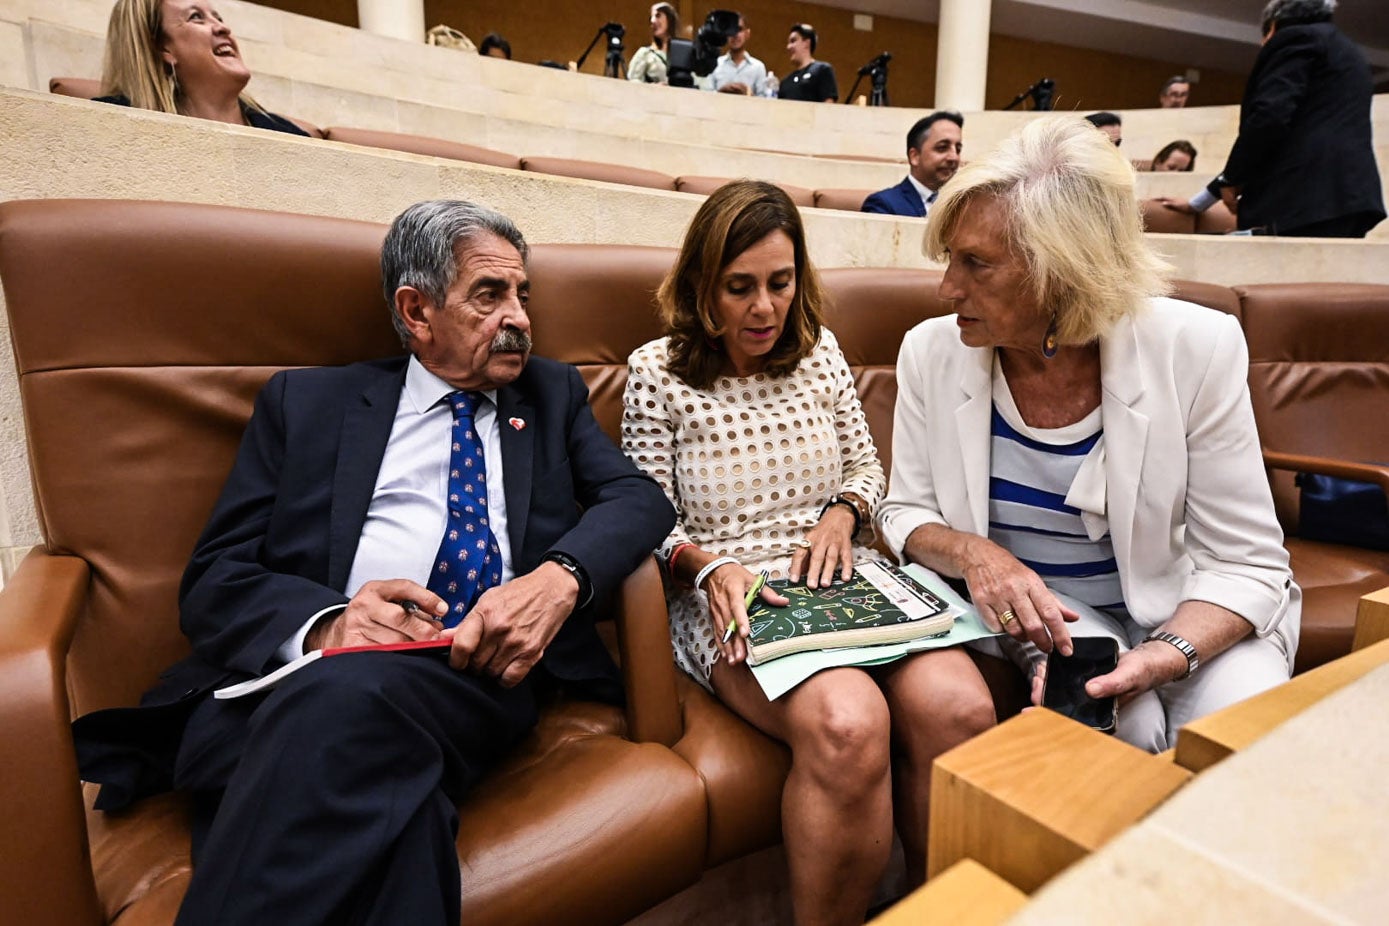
{"type": "Point", "coordinates": [517, 423]}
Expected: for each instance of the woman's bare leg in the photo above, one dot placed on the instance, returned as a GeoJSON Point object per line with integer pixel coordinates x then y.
{"type": "Point", "coordinates": [836, 808]}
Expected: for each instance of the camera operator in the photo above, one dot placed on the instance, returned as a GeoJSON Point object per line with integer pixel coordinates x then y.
{"type": "Point", "coordinates": [738, 71]}
{"type": "Point", "coordinates": [811, 80]}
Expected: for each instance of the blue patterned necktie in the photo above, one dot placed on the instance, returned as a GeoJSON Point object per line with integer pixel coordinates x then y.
{"type": "Point", "coordinates": [469, 560]}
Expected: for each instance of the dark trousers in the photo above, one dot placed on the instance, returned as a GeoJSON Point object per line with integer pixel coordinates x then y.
{"type": "Point", "coordinates": [339, 791]}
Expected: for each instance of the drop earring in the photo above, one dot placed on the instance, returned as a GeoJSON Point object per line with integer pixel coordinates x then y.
{"type": "Point", "coordinates": [1049, 343]}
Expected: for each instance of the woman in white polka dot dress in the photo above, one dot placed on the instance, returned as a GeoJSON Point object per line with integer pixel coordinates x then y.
{"type": "Point", "coordinates": [747, 416]}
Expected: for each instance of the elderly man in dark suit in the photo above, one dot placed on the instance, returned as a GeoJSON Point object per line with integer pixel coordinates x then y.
{"type": "Point", "coordinates": [462, 492]}
{"type": "Point", "coordinates": [1304, 162]}
{"type": "Point", "coordinates": [933, 153]}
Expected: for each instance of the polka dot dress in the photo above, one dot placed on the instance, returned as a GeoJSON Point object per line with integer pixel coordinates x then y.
{"type": "Point", "coordinates": [748, 465]}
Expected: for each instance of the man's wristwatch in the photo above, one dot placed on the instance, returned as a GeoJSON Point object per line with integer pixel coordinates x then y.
{"type": "Point", "coordinates": [1183, 646]}
{"type": "Point", "coordinates": [564, 560]}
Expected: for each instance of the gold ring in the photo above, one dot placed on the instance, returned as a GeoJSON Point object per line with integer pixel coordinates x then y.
{"type": "Point", "coordinates": [804, 544]}
{"type": "Point", "coordinates": [1006, 618]}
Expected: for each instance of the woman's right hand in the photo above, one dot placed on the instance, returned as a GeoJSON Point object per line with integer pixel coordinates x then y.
{"type": "Point", "coordinates": [1000, 585]}
{"type": "Point", "coordinates": [727, 589]}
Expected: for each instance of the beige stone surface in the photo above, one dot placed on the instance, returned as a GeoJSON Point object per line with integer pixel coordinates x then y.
{"type": "Point", "coordinates": [14, 68]}
{"type": "Point", "coordinates": [331, 74]}
{"type": "Point", "coordinates": [1295, 828]}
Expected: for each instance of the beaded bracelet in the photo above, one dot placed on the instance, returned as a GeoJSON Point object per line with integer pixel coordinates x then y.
{"type": "Point", "coordinates": [711, 566]}
{"type": "Point", "coordinates": [675, 555]}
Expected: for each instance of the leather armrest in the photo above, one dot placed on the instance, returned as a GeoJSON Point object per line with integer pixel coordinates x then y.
{"type": "Point", "coordinates": [43, 842]}
{"type": "Point", "coordinates": [648, 663]}
{"type": "Point", "coordinates": [1326, 466]}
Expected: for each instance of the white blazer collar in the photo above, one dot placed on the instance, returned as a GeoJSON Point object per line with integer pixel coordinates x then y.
{"type": "Point", "coordinates": [972, 422]}
{"type": "Point", "coordinates": [1125, 429]}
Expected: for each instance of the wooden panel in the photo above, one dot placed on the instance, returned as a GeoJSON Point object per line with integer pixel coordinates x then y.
{"type": "Point", "coordinates": [1033, 795]}
{"type": "Point", "coordinates": [965, 894]}
{"type": "Point", "coordinates": [1372, 620]}
{"type": "Point", "coordinates": [1204, 742]}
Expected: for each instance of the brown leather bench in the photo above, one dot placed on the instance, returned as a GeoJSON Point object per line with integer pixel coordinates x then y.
{"type": "Point", "coordinates": [596, 170]}
{"type": "Point", "coordinates": [1217, 220]}
{"type": "Point", "coordinates": [703, 186]}
{"type": "Point", "coordinates": [848, 200]}
{"type": "Point", "coordinates": [137, 376]}
{"type": "Point", "coordinates": [86, 88]}
{"type": "Point", "coordinates": [423, 144]}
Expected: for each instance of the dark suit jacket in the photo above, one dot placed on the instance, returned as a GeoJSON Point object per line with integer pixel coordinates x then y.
{"type": "Point", "coordinates": [1304, 152]}
{"type": "Point", "coordinates": [902, 199]}
{"type": "Point", "coordinates": [282, 537]}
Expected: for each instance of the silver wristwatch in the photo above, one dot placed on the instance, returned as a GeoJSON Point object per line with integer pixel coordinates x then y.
{"type": "Point", "coordinates": [1183, 646]}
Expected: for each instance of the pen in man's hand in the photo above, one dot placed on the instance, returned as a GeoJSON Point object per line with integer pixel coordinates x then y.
{"type": "Point", "coordinates": [414, 611]}
{"type": "Point", "coordinates": [747, 602]}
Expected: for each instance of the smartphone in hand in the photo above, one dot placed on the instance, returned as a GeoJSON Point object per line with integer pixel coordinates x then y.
{"type": "Point", "coordinates": [1066, 677]}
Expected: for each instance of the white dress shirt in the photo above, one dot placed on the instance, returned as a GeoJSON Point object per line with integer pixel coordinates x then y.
{"type": "Point", "coordinates": [408, 510]}
{"type": "Point", "coordinates": [751, 73]}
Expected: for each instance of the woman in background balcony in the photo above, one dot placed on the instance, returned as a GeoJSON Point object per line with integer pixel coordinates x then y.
{"type": "Point", "coordinates": [747, 416]}
{"type": "Point", "coordinates": [1179, 155]}
{"type": "Point", "coordinates": [177, 56]}
{"type": "Point", "coordinates": [650, 62]}
{"type": "Point", "coordinates": [1070, 432]}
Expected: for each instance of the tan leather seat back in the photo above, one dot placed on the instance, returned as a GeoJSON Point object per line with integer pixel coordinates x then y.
{"type": "Point", "coordinates": [421, 144]}
{"type": "Point", "coordinates": [1158, 218]}
{"type": "Point", "coordinates": [596, 170]}
{"type": "Point", "coordinates": [143, 332]}
{"type": "Point", "coordinates": [847, 200]}
{"type": "Point", "coordinates": [801, 196]}
{"type": "Point", "coordinates": [592, 305]}
{"type": "Point", "coordinates": [1318, 373]}
{"type": "Point", "coordinates": [871, 310]}
{"type": "Point", "coordinates": [83, 88]}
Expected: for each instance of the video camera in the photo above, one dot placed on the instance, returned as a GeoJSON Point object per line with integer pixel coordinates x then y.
{"type": "Point", "coordinates": [688, 58]}
{"type": "Point", "coordinates": [878, 64]}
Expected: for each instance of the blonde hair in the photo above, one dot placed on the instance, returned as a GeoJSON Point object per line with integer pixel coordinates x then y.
{"type": "Point", "coordinates": [1071, 216]}
{"type": "Point", "coordinates": [735, 217]}
{"type": "Point", "coordinates": [133, 66]}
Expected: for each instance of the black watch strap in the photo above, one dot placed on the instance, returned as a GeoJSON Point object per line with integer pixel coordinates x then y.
{"type": "Point", "coordinates": [576, 569]}
{"type": "Point", "coordinates": [853, 509]}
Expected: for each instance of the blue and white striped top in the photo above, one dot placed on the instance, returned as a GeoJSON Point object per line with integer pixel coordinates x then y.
{"type": "Point", "coordinates": [1031, 474]}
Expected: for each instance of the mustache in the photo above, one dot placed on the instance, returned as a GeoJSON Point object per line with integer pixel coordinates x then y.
{"type": "Point", "coordinates": [511, 340]}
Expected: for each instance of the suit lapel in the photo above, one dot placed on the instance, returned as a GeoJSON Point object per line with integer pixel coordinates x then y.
{"type": "Point", "coordinates": [972, 425]}
{"type": "Point", "coordinates": [912, 198]}
{"type": "Point", "coordinates": [366, 427]}
{"type": "Point", "coordinates": [515, 417]}
{"type": "Point", "coordinates": [1125, 431]}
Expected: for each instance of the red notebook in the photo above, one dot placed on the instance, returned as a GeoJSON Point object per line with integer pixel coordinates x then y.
{"type": "Point", "coordinates": [266, 682]}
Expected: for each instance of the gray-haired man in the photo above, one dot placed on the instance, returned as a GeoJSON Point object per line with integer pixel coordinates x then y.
{"type": "Point", "coordinates": [461, 491]}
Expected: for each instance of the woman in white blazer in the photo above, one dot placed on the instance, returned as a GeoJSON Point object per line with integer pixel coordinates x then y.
{"type": "Point", "coordinates": [1071, 430]}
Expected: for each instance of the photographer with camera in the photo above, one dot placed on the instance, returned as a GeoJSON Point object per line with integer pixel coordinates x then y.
{"type": "Point", "coordinates": [737, 71]}
{"type": "Point", "coordinates": [812, 81]}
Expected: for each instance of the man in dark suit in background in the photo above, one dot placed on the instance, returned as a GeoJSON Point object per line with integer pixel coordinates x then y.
{"type": "Point", "coordinates": [933, 153]}
{"type": "Point", "coordinates": [1304, 163]}
{"type": "Point", "coordinates": [386, 502]}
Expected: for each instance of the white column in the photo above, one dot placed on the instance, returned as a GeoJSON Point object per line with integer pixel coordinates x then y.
{"type": "Point", "coordinates": [397, 19]}
{"type": "Point", "coordinates": [962, 55]}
